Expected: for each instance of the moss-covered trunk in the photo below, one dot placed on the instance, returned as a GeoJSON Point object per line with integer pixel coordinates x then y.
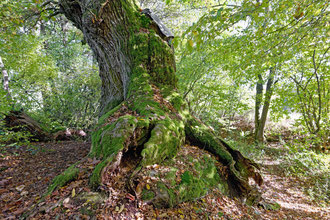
{"type": "Point", "coordinates": [142, 110]}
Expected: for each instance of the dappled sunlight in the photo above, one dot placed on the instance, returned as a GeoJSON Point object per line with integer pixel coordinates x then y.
{"type": "Point", "coordinates": [301, 207]}
{"type": "Point", "coordinates": [288, 192]}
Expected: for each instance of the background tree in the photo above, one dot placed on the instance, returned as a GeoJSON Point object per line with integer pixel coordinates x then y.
{"type": "Point", "coordinates": [47, 66]}
{"type": "Point", "coordinates": [254, 37]}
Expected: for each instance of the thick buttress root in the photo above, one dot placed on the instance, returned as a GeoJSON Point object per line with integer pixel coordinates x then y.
{"type": "Point", "coordinates": [158, 140]}
{"type": "Point", "coordinates": [240, 168]}
{"type": "Point", "coordinates": [154, 125]}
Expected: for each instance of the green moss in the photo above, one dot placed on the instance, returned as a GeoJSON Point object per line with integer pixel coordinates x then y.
{"type": "Point", "coordinates": [161, 62]}
{"type": "Point", "coordinates": [110, 139]}
{"type": "Point", "coordinates": [171, 176]}
{"type": "Point", "coordinates": [243, 169]}
{"type": "Point", "coordinates": [131, 9]}
{"type": "Point", "coordinates": [190, 192]}
{"type": "Point", "coordinates": [94, 180]}
{"type": "Point", "coordinates": [68, 175]}
{"type": "Point", "coordinates": [147, 195]}
{"type": "Point", "coordinates": [165, 139]}
{"type": "Point", "coordinates": [86, 211]}
{"type": "Point", "coordinates": [111, 108]}
{"type": "Point", "coordinates": [165, 197]}
{"type": "Point", "coordinates": [270, 205]}
{"type": "Point", "coordinates": [92, 197]}
{"type": "Point", "coordinates": [145, 21]}
{"type": "Point", "coordinates": [203, 136]}
{"type": "Point", "coordinates": [177, 101]}
{"type": "Point", "coordinates": [104, 117]}
{"type": "Point", "coordinates": [140, 47]}
{"type": "Point", "coordinates": [197, 166]}
{"type": "Point", "coordinates": [186, 177]}
{"type": "Point", "coordinates": [195, 182]}
{"type": "Point", "coordinates": [151, 55]}
{"type": "Point", "coordinates": [194, 186]}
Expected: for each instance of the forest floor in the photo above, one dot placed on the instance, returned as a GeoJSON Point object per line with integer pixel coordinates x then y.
{"type": "Point", "coordinates": [26, 173]}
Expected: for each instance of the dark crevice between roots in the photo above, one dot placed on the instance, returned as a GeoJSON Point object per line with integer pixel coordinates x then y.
{"type": "Point", "coordinates": [247, 162]}
{"type": "Point", "coordinates": [127, 162]}
{"type": "Point", "coordinates": [133, 158]}
{"type": "Point", "coordinates": [131, 162]}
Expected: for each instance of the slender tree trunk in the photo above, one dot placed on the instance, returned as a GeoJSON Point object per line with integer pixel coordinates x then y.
{"type": "Point", "coordinates": [141, 108]}
{"type": "Point", "coordinates": [5, 78]}
{"type": "Point", "coordinates": [268, 95]}
{"type": "Point", "coordinates": [260, 121]}
{"type": "Point", "coordinates": [258, 102]}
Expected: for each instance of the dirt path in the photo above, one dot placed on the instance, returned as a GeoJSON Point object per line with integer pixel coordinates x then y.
{"type": "Point", "coordinates": [25, 174]}
{"type": "Point", "coordinates": [289, 193]}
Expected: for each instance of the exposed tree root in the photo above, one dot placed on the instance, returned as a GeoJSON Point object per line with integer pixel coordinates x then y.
{"type": "Point", "coordinates": [240, 168]}
{"type": "Point", "coordinates": [154, 141]}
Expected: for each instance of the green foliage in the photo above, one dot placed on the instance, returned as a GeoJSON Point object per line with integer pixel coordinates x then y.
{"type": "Point", "coordinates": [70, 99]}
{"type": "Point", "coordinates": [303, 162]}
{"type": "Point", "coordinates": [211, 93]}
{"type": "Point", "coordinates": [5, 104]}
{"type": "Point", "coordinates": [9, 136]}
{"type": "Point", "coordinates": [234, 43]}
{"type": "Point", "coordinates": [52, 76]}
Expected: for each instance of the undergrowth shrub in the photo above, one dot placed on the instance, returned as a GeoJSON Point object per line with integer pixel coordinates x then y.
{"type": "Point", "coordinates": [314, 167]}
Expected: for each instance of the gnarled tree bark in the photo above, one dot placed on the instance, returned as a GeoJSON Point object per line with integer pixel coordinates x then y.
{"type": "Point", "coordinates": [141, 108]}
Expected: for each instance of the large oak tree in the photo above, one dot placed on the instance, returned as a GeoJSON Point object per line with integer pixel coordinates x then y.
{"type": "Point", "coordinates": [141, 108]}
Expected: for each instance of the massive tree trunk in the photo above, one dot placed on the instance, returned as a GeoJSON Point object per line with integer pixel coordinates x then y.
{"type": "Point", "coordinates": [141, 108]}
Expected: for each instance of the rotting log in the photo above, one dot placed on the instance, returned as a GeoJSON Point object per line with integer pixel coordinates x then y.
{"type": "Point", "coordinates": [20, 121]}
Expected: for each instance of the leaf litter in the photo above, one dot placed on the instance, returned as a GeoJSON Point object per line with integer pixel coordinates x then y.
{"type": "Point", "coordinates": [25, 177]}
